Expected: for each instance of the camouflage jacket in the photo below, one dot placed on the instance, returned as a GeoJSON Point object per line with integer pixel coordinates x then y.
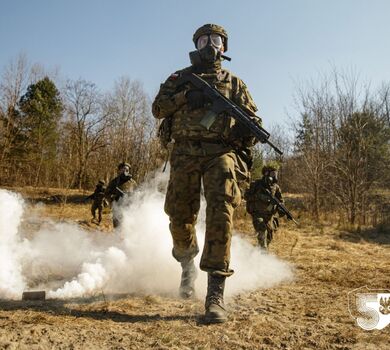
{"type": "Point", "coordinates": [186, 125]}
{"type": "Point", "coordinates": [119, 186]}
{"type": "Point", "coordinates": [98, 195]}
{"type": "Point", "coordinates": [257, 200]}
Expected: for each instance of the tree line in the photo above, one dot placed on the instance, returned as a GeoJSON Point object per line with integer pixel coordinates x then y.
{"type": "Point", "coordinates": [340, 153]}
{"type": "Point", "coordinates": [71, 134]}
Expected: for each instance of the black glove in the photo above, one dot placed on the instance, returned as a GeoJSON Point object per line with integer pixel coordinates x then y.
{"type": "Point", "coordinates": [196, 99]}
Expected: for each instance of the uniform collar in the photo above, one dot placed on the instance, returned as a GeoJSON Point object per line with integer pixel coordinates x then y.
{"type": "Point", "coordinates": [208, 68]}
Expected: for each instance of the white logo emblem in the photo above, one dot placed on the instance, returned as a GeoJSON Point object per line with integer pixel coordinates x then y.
{"type": "Point", "coordinates": [370, 308]}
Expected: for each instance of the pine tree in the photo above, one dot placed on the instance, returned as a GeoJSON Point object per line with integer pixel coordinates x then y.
{"type": "Point", "coordinates": [41, 107]}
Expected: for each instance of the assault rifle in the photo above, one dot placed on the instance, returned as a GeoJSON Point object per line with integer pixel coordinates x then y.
{"type": "Point", "coordinates": [220, 103]}
{"type": "Point", "coordinates": [119, 192]}
{"type": "Point", "coordinates": [281, 206]}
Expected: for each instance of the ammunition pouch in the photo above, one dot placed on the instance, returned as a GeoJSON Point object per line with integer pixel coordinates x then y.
{"type": "Point", "coordinates": [244, 163]}
{"type": "Point", "coordinates": [164, 132]}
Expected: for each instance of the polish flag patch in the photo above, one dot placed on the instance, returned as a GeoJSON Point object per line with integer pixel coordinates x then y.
{"type": "Point", "coordinates": [174, 76]}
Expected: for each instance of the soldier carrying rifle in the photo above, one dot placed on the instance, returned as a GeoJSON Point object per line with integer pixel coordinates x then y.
{"type": "Point", "coordinates": [264, 201]}
{"type": "Point", "coordinates": [98, 201]}
{"type": "Point", "coordinates": [118, 187]}
{"type": "Point", "coordinates": [209, 118]}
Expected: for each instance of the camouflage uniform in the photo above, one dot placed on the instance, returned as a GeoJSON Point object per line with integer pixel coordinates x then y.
{"type": "Point", "coordinates": [264, 213]}
{"type": "Point", "coordinates": [126, 185]}
{"type": "Point", "coordinates": [98, 200]}
{"type": "Point", "coordinates": [208, 156]}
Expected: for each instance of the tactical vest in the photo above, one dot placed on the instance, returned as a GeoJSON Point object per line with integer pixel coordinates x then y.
{"type": "Point", "coordinates": [99, 196]}
{"type": "Point", "coordinates": [257, 200]}
{"type": "Point", "coordinates": [126, 186]}
{"type": "Point", "coordinates": [199, 124]}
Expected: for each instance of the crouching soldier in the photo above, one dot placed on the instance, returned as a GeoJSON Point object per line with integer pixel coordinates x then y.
{"type": "Point", "coordinates": [98, 200]}
{"type": "Point", "coordinates": [264, 212]}
{"type": "Point", "coordinates": [119, 187]}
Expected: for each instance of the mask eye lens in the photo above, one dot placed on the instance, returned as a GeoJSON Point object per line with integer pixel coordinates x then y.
{"type": "Point", "coordinates": [202, 42]}
{"type": "Point", "coordinates": [216, 40]}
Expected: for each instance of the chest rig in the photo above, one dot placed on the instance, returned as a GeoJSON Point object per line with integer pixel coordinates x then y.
{"type": "Point", "coordinates": [190, 124]}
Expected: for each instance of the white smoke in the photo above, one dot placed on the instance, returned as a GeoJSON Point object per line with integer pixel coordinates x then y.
{"type": "Point", "coordinates": [11, 278]}
{"type": "Point", "coordinates": [68, 261]}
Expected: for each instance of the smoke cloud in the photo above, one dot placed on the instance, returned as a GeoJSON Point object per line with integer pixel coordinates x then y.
{"type": "Point", "coordinates": [11, 278]}
{"type": "Point", "coordinates": [67, 261]}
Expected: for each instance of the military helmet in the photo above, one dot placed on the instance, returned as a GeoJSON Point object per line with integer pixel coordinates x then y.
{"type": "Point", "coordinates": [122, 165]}
{"type": "Point", "coordinates": [210, 29]}
{"type": "Point", "coordinates": [271, 166]}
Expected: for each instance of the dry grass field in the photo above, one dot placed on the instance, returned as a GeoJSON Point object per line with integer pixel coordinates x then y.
{"type": "Point", "coordinates": [311, 312]}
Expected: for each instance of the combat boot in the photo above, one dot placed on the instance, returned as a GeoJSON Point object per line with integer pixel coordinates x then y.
{"type": "Point", "coordinates": [215, 308]}
{"type": "Point", "coordinates": [262, 238]}
{"type": "Point", "coordinates": [188, 276]}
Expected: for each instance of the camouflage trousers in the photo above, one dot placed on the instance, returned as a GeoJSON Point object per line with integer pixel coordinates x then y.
{"type": "Point", "coordinates": [99, 208]}
{"type": "Point", "coordinates": [117, 216]}
{"type": "Point", "coordinates": [182, 203]}
{"type": "Point", "coordinates": [265, 224]}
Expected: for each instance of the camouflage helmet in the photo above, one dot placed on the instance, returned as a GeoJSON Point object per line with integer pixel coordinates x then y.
{"type": "Point", "coordinates": [271, 166]}
{"type": "Point", "coordinates": [122, 165]}
{"type": "Point", "coordinates": [210, 29]}
{"type": "Point", "coordinates": [101, 182]}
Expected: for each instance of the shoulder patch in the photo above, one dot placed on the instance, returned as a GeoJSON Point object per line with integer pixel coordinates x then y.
{"type": "Point", "coordinates": [174, 76]}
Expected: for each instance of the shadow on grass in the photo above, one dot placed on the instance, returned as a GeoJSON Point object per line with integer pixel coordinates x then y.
{"type": "Point", "coordinates": [64, 308]}
{"type": "Point", "coordinates": [378, 235]}
{"type": "Point", "coordinates": [59, 199]}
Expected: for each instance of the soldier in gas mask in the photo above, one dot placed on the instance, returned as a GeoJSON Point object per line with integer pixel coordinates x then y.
{"type": "Point", "coordinates": [208, 156]}
{"type": "Point", "coordinates": [265, 215]}
{"type": "Point", "coordinates": [117, 189]}
{"type": "Point", "coordinates": [98, 200]}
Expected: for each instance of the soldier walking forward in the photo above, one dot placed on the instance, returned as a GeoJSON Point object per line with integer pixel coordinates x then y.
{"type": "Point", "coordinates": [98, 200]}
{"type": "Point", "coordinates": [265, 215]}
{"type": "Point", "coordinates": [117, 188]}
{"type": "Point", "coordinates": [204, 155]}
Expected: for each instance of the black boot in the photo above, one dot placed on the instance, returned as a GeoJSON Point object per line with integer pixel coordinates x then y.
{"type": "Point", "coordinates": [215, 308]}
{"type": "Point", "coordinates": [188, 276]}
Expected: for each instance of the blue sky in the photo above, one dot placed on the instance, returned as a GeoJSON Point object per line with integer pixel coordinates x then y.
{"type": "Point", "coordinates": [273, 44]}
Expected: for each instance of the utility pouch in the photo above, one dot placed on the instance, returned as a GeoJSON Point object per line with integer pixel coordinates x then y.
{"type": "Point", "coordinates": [164, 132]}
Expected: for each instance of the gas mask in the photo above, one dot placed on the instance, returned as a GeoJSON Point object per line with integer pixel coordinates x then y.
{"type": "Point", "coordinates": [273, 176]}
{"type": "Point", "coordinates": [209, 49]}
{"type": "Point", "coordinates": [125, 172]}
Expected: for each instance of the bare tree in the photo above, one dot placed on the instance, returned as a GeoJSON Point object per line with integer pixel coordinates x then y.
{"type": "Point", "coordinates": [13, 82]}
{"type": "Point", "coordinates": [341, 143]}
{"type": "Point", "coordinates": [86, 122]}
{"type": "Point", "coordinates": [314, 140]}
{"type": "Point", "coordinates": [132, 132]}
